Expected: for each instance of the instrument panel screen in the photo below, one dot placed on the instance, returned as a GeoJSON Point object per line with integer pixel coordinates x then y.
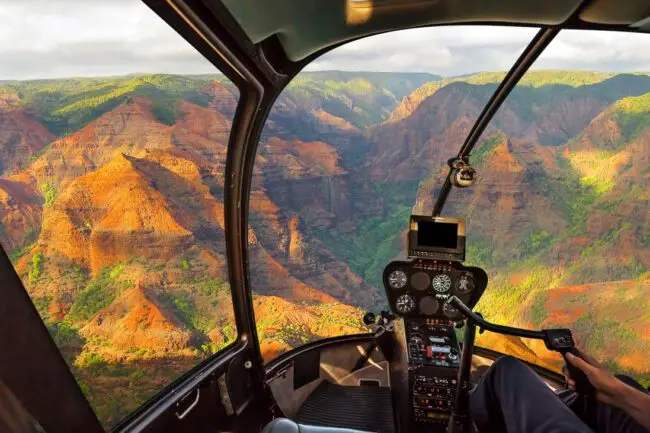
{"type": "Point", "coordinates": [437, 234]}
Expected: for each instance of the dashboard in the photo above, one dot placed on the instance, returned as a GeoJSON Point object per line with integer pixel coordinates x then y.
{"type": "Point", "coordinates": [420, 288]}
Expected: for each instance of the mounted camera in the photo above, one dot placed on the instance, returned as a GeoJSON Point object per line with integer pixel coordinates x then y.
{"type": "Point", "coordinates": [463, 175]}
{"type": "Point", "coordinates": [438, 238]}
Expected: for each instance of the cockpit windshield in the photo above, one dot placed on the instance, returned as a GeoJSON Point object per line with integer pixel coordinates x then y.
{"type": "Point", "coordinates": [558, 216]}
{"type": "Point", "coordinates": [342, 159]}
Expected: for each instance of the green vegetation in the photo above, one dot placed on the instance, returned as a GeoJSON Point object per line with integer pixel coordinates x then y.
{"type": "Point", "coordinates": [484, 149]}
{"type": "Point", "coordinates": [293, 335]}
{"type": "Point", "coordinates": [49, 193]}
{"type": "Point", "coordinates": [632, 114]}
{"type": "Point", "coordinates": [185, 264]}
{"type": "Point", "coordinates": [42, 304]}
{"type": "Point", "coordinates": [185, 308]}
{"type": "Point", "coordinates": [536, 242]}
{"type": "Point", "coordinates": [62, 333]}
{"type": "Point", "coordinates": [66, 105]}
{"type": "Point", "coordinates": [635, 104]}
{"type": "Point", "coordinates": [503, 302]}
{"type": "Point", "coordinates": [92, 362]}
{"type": "Point", "coordinates": [532, 79]}
{"type": "Point", "coordinates": [213, 287]}
{"type": "Point", "coordinates": [376, 240]}
{"type": "Point", "coordinates": [230, 333]}
{"type": "Point", "coordinates": [598, 332]}
{"type": "Point", "coordinates": [36, 268]}
{"type": "Point", "coordinates": [99, 293]}
{"type": "Point", "coordinates": [19, 252]}
{"type": "Point", "coordinates": [478, 250]}
{"type": "Point", "coordinates": [547, 77]}
{"type": "Point", "coordinates": [538, 309]}
{"type": "Point", "coordinates": [363, 98]}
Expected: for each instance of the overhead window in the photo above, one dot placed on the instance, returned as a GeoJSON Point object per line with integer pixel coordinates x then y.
{"type": "Point", "coordinates": [559, 214]}
{"type": "Point", "coordinates": [346, 155]}
{"type": "Point", "coordinates": [113, 138]}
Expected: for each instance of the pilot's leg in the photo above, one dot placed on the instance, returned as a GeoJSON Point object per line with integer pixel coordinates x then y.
{"type": "Point", "coordinates": [512, 398]}
{"type": "Point", "coordinates": [608, 419]}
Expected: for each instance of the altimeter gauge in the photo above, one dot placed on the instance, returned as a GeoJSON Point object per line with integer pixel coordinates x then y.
{"type": "Point", "coordinates": [397, 279]}
{"type": "Point", "coordinates": [404, 304]}
{"type": "Point", "coordinates": [441, 283]}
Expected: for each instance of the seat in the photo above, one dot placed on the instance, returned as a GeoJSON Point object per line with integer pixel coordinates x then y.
{"type": "Point", "coordinates": [284, 425]}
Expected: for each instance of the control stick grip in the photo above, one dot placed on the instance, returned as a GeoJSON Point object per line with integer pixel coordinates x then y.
{"type": "Point", "coordinates": [561, 340]}
{"type": "Point", "coordinates": [583, 385]}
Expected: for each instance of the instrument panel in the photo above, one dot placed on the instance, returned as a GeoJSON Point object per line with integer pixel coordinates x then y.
{"type": "Point", "coordinates": [421, 287]}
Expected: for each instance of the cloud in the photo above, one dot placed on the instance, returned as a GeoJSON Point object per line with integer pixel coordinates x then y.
{"type": "Point", "coordinates": [63, 38]}
{"type": "Point", "coordinates": [442, 50]}
{"type": "Point", "coordinates": [457, 50]}
{"type": "Point", "coordinates": [594, 50]}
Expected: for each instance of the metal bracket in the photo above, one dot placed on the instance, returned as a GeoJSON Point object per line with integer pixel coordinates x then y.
{"type": "Point", "coordinates": [190, 407]}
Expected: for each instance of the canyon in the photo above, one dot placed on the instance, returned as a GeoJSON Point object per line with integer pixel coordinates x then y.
{"type": "Point", "coordinates": [111, 210]}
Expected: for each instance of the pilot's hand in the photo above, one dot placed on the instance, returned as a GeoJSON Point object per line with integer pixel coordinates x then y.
{"type": "Point", "coordinates": [608, 388]}
{"type": "Point", "coordinates": [613, 392]}
{"type": "Point", "coordinates": [590, 360]}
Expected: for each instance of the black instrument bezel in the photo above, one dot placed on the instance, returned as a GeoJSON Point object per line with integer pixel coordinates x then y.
{"type": "Point", "coordinates": [433, 268]}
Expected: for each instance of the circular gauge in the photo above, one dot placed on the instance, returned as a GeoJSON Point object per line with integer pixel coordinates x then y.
{"type": "Point", "coordinates": [420, 280]}
{"type": "Point", "coordinates": [404, 304]}
{"type": "Point", "coordinates": [450, 311]}
{"type": "Point", "coordinates": [441, 283]}
{"type": "Point", "coordinates": [397, 279]}
{"type": "Point", "coordinates": [428, 305]}
{"type": "Point", "coordinates": [465, 284]}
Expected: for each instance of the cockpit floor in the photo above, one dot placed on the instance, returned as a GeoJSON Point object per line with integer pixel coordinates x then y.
{"type": "Point", "coordinates": [367, 408]}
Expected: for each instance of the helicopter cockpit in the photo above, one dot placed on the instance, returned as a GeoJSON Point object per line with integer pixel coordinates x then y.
{"type": "Point", "coordinates": [319, 217]}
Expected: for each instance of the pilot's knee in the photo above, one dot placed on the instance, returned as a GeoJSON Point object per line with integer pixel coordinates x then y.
{"type": "Point", "coordinates": [507, 360]}
{"type": "Point", "coordinates": [509, 364]}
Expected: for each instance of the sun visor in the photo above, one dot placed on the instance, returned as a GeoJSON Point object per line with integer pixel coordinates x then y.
{"type": "Point", "coordinates": [616, 12]}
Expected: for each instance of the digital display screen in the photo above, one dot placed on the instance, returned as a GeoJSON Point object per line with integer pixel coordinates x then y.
{"type": "Point", "coordinates": [437, 234]}
{"type": "Point", "coordinates": [439, 349]}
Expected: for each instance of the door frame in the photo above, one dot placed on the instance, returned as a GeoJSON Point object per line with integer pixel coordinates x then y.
{"type": "Point", "coordinates": [34, 369]}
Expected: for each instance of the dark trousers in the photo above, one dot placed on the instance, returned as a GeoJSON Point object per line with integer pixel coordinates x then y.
{"type": "Point", "coordinates": [511, 398]}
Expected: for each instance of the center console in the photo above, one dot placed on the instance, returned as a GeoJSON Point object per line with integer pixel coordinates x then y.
{"type": "Point", "coordinates": [419, 289]}
{"type": "Point", "coordinates": [433, 362]}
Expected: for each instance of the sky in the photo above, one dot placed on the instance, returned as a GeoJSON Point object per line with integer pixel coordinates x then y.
{"type": "Point", "coordinates": [65, 38]}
